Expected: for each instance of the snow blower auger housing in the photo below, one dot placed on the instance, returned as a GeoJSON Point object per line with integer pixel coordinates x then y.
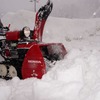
{"type": "Point", "coordinates": [24, 53]}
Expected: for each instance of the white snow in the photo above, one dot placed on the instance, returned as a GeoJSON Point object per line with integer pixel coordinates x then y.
{"type": "Point", "coordinates": [77, 77]}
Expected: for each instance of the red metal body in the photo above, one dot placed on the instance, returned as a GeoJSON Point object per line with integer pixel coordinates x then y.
{"type": "Point", "coordinates": [38, 29]}
{"type": "Point", "coordinates": [13, 35]}
{"type": "Point", "coordinates": [33, 64]}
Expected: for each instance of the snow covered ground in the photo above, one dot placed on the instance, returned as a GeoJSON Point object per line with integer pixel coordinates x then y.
{"type": "Point", "coordinates": [77, 77]}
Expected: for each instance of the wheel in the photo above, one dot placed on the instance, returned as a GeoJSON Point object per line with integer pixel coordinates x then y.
{"type": "Point", "coordinates": [12, 71]}
{"type": "Point", "coordinates": [3, 70]}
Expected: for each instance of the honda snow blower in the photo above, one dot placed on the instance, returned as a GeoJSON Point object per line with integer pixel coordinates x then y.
{"type": "Point", "coordinates": [24, 53]}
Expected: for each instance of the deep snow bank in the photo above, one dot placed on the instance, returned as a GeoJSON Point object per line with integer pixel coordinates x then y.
{"type": "Point", "coordinates": [77, 77]}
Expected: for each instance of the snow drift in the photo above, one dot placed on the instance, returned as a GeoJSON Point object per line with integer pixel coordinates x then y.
{"type": "Point", "coordinates": [77, 77]}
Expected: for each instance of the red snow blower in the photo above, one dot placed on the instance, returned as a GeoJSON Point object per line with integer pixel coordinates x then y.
{"type": "Point", "coordinates": [24, 53]}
